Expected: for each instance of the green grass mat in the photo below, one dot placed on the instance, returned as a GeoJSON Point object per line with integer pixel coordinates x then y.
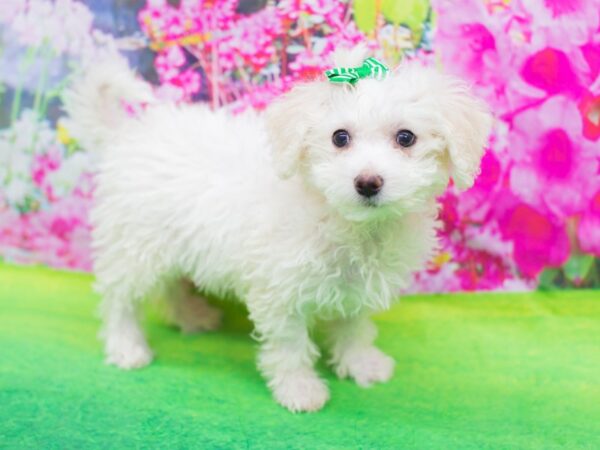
{"type": "Point", "coordinates": [500, 371]}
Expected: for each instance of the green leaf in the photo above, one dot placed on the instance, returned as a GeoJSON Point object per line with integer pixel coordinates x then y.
{"type": "Point", "coordinates": [365, 15]}
{"type": "Point", "coordinates": [547, 279]}
{"type": "Point", "coordinates": [578, 267]}
{"type": "Point", "coordinates": [411, 13]}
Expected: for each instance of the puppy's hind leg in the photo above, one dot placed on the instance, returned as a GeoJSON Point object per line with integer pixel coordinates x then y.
{"type": "Point", "coordinates": [188, 310]}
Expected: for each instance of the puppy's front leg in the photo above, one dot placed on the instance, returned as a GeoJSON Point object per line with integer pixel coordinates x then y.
{"type": "Point", "coordinates": [286, 359]}
{"type": "Point", "coordinates": [353, 353]}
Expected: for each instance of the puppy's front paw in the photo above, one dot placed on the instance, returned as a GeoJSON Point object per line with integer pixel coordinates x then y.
{"type": "Point", "coordinates": [366, 366]}
{"type": "Point", "coordinates": [127, 353]}
{"type": "Point", "coordinates": [301, 391]}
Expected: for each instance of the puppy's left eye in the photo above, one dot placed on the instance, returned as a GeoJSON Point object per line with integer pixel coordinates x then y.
{"type": "Point", "coordinates": [405, 138]}
{"type": "Point", "coordinates": [340, 138]}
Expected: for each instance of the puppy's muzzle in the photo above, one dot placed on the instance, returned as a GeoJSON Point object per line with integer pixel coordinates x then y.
{"type": "Point", "coordinates": [368, 185]}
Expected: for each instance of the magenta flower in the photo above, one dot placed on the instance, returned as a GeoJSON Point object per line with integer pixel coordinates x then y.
{"type": "Point", "coordinates": [555, 168]}
{"type": "Point", "coordinates": [588, 232]}
{"type": "Point", "coordinates": [550, 70]}
{"type": "Point", "coordinates": [168, 62]}
{"type": "Point", "coordinates": [539, 240]}
{"type": "Point", "coordinates": [62, 234]}
{"type": "Point", "coordinates": [176, 83]}
{"type": "Point", "coordinates": [551, 19]}
{"type": "Point", "coordinates": [475, 203]}
{"type": "Point", "coordinates": [474, 45]}
{"type": "Point", "coordinates": [43, 165]}
{"type": "Point", "coordinates": [590, 114]}
{"type": "Point", "coordinates": [59, 238]}
{"type": "Point", "coordinates": [253, 39]}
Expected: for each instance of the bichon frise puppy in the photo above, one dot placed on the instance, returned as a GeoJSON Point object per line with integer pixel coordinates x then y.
{"type": "Point", "coordinates": [316, 212]}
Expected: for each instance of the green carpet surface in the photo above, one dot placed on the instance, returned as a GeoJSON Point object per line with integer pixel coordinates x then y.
{"type": "Point", "coordinates": [493, 371]}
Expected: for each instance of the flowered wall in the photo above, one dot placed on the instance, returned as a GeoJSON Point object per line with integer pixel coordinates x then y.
{"type": "Point", "coordinates": [531, 221]}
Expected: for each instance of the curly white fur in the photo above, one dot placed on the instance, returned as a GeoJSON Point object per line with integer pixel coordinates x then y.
{"type": "Point", "coordinates": [265, 208]}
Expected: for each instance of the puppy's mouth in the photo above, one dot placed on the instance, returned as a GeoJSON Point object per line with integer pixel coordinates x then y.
{"type": "Point", "coordinates": [367, 210]}
{"type": "Point", "coordinates": [371, 202]}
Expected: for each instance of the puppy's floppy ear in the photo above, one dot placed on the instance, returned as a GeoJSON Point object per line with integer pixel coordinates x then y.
{"type": "Point", "coordinates": [289, 120]}
{"type": "Point", "coordinates": [467, 126]}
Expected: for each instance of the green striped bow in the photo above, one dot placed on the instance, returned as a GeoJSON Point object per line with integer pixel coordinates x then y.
{"type": "Point", "coordinates": [371, 68]}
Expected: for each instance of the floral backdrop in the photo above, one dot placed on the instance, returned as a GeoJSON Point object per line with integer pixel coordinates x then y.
{"type": "Point", "coordinates": [532, 220]}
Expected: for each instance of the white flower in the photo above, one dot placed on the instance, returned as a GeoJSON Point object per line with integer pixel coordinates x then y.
{"type": "Point", "coordinates": [29, 134]}
{"type": "Point", "coordinates": [19, 165]}
{"type": "Point", "coordinates": [14, 161]}
{"type": "Point", "coordinates": [16, 191]}
{"type": "Point", "coordinates": [66, 177]}
{"type": "Point", "coordinates": [10, 8]}
{"type": "Point", "coordinates": [64, 25]}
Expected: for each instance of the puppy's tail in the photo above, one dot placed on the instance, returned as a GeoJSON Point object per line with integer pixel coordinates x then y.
{"type": "Point", "coordinates": [96, 103]}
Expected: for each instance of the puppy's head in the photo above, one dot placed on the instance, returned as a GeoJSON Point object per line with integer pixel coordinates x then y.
{"type": "Point", "coordinates": [380, 147]}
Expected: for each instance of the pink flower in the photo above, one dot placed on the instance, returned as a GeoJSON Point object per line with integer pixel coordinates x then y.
{"type": "Point", "coordinates": [590, 114]}
{"type": "Point", "coordinates": [177, 83]}
{"type": "Point", "coordinates": [539, 240]}
{"type": "Point", "coordinates": [449, 214]}
{"type": "Point", "coordinates": [253, 37]}
{"type": "Point", "coordinates": [260, 97]}
{"type": "Point", "coordinates": [474, 204]}
{"type": "Point", "coordinates": [551, 18]}
{"type": "Point", "coordinates": [479, 269]}
{"type": "Point", "coordinates": [62, 234]}
{"type": "Point", "coordinates": [60, 237]}
{"type": "Point", "coordinates": [474, 45]}
{"type": "Point", "coordinates": [555, 168]}
{"type": "Point", "coordinates": [43, 165]}
{"type": "Point", "coordinates": [591, 55]}
{"type": "Point", "coordinates": [556, 54]}
{"type": "Point", "coordinates": [190, 82]}
{"type": "Point", "coordinates": [550, 70]}
{"type": "Point", "coordinates": [588, 232]}
{"type": "Point", "coordinates": [168, 63]}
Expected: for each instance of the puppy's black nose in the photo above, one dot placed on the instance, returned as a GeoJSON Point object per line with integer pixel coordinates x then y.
{"type": "Point", "coordinates": [368, 185]}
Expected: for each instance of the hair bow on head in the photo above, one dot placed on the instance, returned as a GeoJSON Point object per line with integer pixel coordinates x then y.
{"type": "Point", "coordinates": [371, 68]}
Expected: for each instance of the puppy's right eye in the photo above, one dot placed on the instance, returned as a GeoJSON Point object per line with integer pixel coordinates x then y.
{"type": "Point", "coordinates": [340, 138]}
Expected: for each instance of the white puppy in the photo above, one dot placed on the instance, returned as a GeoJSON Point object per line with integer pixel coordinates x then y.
{"type": "Point", "coordinates": [317, 211]}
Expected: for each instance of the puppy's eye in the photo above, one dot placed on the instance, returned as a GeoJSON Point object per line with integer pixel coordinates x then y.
{"type": "Point", "coordinates": [340, 138]}
{"type": "Point", "coordinates": [405, 138]}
